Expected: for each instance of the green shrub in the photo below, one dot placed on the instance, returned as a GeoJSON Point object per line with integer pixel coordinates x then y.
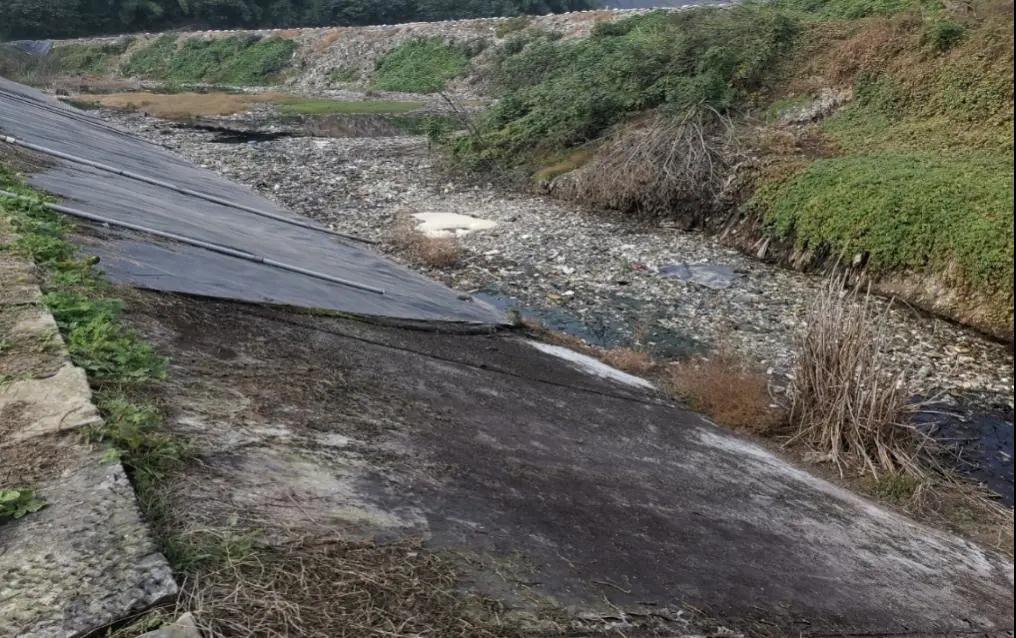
{"type": "Point", "coordinates": [241, 61]}
{"type": "Point", "coordinates": [558, 94]}
{"type": "Point", "coordinates": [942, 35]}
{"type": "Point", "coordinates": [853, 9]}
{"type": "Point", "coordinates": [420, 66]}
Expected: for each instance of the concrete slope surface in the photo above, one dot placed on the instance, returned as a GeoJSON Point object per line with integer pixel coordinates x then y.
{"type": "Point", "coordinates": [612, 497]}
{"type": "Point", "coordinates": [140, 259]}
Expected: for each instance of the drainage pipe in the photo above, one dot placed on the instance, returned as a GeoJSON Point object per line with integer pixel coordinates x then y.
{"type": "Point", "coordinates": [217, 248]}
{"type": "Point", "coordinates": [174, 187]}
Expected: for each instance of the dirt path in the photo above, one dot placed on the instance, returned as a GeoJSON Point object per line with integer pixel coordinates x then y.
{"type": "Point", "coordinates": [594, 274]}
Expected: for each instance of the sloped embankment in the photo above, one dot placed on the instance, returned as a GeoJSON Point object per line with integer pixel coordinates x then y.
{"type": "Point", "coordinates": [305, 58]}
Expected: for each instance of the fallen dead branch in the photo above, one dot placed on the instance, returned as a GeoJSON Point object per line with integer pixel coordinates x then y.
{"type": "Point", "coordinates": [661, 165]}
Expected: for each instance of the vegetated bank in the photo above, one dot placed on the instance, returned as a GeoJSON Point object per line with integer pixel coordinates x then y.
{"type": "Point", "coordinates": [873, 135]}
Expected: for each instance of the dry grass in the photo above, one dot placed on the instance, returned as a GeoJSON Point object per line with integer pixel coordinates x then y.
{"type": "Point", "coordinates": [629, 360]}
{"type": "Point", "coordinates": [331, 588]}
{"type": "Point", "coordinates": [433, 252]}
{"type": "Point", "coordinates": [849, 400]}
{"type": "Point", "coordinates": [658, 165]}
{"type": "Point", "coordinates": [180, 106]}
{"type": "Point", "coordinates": [728, 390]}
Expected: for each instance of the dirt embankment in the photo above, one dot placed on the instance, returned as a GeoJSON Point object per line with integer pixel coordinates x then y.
{"type": "Point", "coordinates": [335, 57]}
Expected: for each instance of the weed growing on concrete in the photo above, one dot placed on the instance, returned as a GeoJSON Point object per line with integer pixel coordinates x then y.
{"type": "Point", "coordinates": [119, 364]}
{"type": "Point", "coordinates": [19, 502]}
{"type": "Point", "coordinates": [727, 389]}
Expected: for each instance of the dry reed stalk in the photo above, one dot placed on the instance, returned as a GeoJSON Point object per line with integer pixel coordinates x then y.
{"type": "Point", "coordinates": [849, 400]}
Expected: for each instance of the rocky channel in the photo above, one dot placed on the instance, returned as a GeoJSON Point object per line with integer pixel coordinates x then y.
{"type": "Point", "coordinates": [606, 278]}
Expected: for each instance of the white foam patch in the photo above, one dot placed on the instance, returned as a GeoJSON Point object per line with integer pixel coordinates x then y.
{"type": "Point", "coordinates": [592, 366]}
{"type": "Point", "coordinates": [450, 224]}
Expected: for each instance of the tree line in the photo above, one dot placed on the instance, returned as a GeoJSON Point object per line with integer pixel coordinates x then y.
{"type": "Point", "coordinates": [36, 19]}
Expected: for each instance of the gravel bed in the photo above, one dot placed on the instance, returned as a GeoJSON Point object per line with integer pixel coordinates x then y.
{"type": "Point", "coordinates": [591, 270]}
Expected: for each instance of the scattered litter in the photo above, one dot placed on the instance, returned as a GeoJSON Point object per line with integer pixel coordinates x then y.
{"type": "Point", "coordinates": [450, 224]}
{"type": "Point", "coordinates": [716, 276]}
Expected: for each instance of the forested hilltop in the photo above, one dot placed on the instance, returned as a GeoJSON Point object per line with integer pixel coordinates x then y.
{"type": "Point", "coordinates": [22, 19]}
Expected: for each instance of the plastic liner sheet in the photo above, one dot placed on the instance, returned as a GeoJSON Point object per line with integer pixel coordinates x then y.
{"type": "Point", "coordinates": [149, 262]}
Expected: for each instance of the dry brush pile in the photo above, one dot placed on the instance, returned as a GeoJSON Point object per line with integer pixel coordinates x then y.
{"type": "Point", "coordinates": [660, 165]}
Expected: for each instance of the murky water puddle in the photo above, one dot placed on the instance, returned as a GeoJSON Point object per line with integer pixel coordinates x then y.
{"type": "Point", "coordinates": [981, 441]}
{"type": "Point", "coordinates": [335, 126]}
{"type": "Point", "coordinates": [600, 331]}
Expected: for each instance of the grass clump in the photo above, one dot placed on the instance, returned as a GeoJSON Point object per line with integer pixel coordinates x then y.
{"type": "Point", "coordinates": [728, 390]}
{"type": "Point", "coordinates": [849, 399]}
{"type": "Point", "coordinates": [423, 65]}
{"type": "Point", "coordinates": [432, 252]}
{"type": "Point", "coordinates": [234, 60]}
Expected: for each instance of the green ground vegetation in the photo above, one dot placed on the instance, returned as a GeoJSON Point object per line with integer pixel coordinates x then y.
{"type": "Point", "coordinates": [233, 60]}
{"type": "Point", "coordinates": [921, 174]}
{"type": "Point", "coordinates": [420, 66]}
{"type": "Point", "coordinates": [89, 59]}
{"type": "Point", "coordinates": [305, 106]}
{"type": "Point", "coordinates": [915, 173]}
{"type": "Point", "coordinates": [19, 502]}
